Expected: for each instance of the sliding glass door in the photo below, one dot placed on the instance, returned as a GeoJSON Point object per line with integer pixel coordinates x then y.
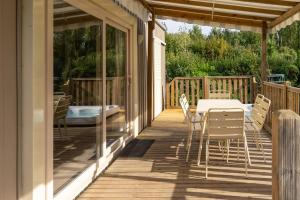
{"type": "Point", "coordinates": [90, 100]}
{"type": "Point", "coordinates": [116, 84]}
{"type": "Point", "coordinates": [77, 98]}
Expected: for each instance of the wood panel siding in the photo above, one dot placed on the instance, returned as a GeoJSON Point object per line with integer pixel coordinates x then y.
{"type": "Point", "coordinates": [8, 100]}
{"type": "Point", "coordinates": [162, 172]}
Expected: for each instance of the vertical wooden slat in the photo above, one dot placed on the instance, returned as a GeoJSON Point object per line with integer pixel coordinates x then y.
{"type": "Point", "coordinates": [220, 86]}
{"type": "Point", "coordinates": [213, 85]}
{"type": "Point", "coordinates": [82, 92]}
{"type": "Point", "coordinates": [230, 87]}
{"type": "Point", "coordinates": [224, 85]}
{"type": "Point", "coordinates": [235, 88]}
{"type": "Point", "coordinates": [198, 89]}
{"type": "Point", "coordinates": [168, 95]}
{"type": "Point", "coordinates": [246, 90]}
{"type": "Point", "coordinates": [181, 87]}
{"type": "Point", "coordinates": [193, 92]}
{"type": "Point", "coordinates": [187, 89]}
{"type": "Point", "coordinates": [114, 91]}
{"type": "Point", "coordinates": [205, 87]}
{"type": "Point", "coordinates": [241, 90]}
{"type": "Point", "coordinates": [172, 94]}
{"type": "Point", "coordinates": [176, 92]}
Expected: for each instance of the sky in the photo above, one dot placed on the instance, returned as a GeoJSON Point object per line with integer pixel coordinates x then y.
{"type": "Point", "coordinates": [174, 26]}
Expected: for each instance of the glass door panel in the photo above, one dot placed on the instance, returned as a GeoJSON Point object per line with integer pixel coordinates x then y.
{"type": "Point", "coordinates": [116, 84]}
{"type": "Point", "coordinates": [77, 92]}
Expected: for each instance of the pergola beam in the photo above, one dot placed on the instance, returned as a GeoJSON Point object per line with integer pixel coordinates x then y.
{"type": "Point", "coordinates": [285, 16]}
{"type": "Point", "coordinates": [224, 6]}
{"type": "Point", "coordinates": [206, 12]}
{"type": "Point", "coordinates": [271, 2]}
{"type": "Point", "coordinates": [205, 17]}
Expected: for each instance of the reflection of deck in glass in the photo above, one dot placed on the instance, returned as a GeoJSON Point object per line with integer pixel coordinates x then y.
{"type": "Point", "coordinates": [76, 151]}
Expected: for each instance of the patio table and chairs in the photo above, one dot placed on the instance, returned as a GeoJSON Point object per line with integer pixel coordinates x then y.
{"type": "Point", "coordinates": [224, 120]}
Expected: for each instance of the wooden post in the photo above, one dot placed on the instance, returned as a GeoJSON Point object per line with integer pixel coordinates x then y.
{"type": "Point", "coordinates": [285, 155]}
{"type": "Point", "coordinates": [264, 63]}
{"type": "Point", "coordinates": [151, 26]}
{"type": "Point", "coordinates": [206, 85]}
{"type": "Point", "coordinates": [253, 90]}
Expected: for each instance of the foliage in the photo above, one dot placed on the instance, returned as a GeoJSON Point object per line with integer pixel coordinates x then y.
{"type": "Point", "coordinates": [227, 52]}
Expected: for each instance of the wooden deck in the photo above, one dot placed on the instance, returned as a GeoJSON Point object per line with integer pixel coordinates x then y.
{"type": "Point", "coordinates": [162, 172]}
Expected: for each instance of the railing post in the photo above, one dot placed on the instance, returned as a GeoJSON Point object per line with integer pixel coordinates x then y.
{"type": "Point", "coordinates": [168, 95]}
{"type": "Point", "coordinates": [285, 155]}
{"type": "Point", "coordinates": [205, 87]}
{"type": "Point", "coordinates": [253, 89]}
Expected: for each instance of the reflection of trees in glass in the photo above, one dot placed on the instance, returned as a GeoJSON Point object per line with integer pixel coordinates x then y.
{"type": "Point", "coordinates": [75, 52]}
{"type": "Point", "coordinates": [115, 52]}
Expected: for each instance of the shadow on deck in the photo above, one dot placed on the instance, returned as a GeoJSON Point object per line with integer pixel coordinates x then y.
{"type": "Point", "coordinates": [162, 172]}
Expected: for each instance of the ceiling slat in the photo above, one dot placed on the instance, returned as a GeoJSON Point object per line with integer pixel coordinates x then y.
{"type": "Point", "coordinates": [224, 6]}
{"type": "Point", "coordinates": [204, 17]}
{"type": "Point", "coordinates": [192, 10]}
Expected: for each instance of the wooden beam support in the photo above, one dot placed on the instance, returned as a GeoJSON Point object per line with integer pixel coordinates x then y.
{"type": "Point", "coordinates": [264, 63]}
{"type": "Point", "coordinates": [151, 26]}
{"type": "Point", "coordinates": [270, 2]}
{"type": "Point", "coordinates": [205, 17]}
{"type": "Point", "coordinates": [208, 12]}
{"type": "Point", "coordinates": [285, 16]}
{"type": "Point", "coordinates": [224, 6]}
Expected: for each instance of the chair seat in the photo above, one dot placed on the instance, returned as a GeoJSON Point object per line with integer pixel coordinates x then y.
{"type": "Point", "coordinates": [225, 137]}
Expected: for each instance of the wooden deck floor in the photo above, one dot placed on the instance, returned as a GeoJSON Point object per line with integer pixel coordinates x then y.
{"type": "Point", "coordinates": [162, 172]}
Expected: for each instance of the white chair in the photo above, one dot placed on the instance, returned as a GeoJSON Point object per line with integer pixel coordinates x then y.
{"type": "Point", "coordinates": [60, 110]}
{"type": "Point", "coordinates": [257, 119]}
{"type": "Point", "coordinates": [193, 122]}
{"type": "Point", "coordinates": [224, 125]}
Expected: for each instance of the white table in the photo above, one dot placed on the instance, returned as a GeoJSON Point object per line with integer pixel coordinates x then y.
{"type": "Point", "coordinates": [204, 105]}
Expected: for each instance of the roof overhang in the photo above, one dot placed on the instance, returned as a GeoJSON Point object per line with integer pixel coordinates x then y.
{"type": "Point", "coordinates": [249, 15]}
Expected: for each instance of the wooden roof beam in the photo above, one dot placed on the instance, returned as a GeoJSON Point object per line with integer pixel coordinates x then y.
{"type": "Point", "coordinates": [270, 2]}
{"type": "Point", "coordinates": [200, 11]}
{"type": "Point", "coordinates": [205, 17]}
{"type": "Point", "coordinates": [224, 6]}
{"type": "Point", "coordinates": [285, 16]}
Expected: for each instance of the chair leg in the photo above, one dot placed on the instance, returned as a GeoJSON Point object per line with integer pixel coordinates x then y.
{"type": "Point", "coordinates": [207, 158]}
{"type": "Point", "coordinates": [261, 146]}
{"type": "Point", "coordinates": [246, 156]}
{"type": "Point", "coordinates": [200, 149]}
{"type": "Point", "coordinates": [189, 146]}
{"type": "Point", "coordinates": [228, 146]}
{"type": "Point", "coordinates": [189, 136]}
{"type": "Point", "coordinates": [247, 148]}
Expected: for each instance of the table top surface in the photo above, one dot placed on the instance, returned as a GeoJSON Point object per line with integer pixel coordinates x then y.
{"type": "Point", "coordinates": [204, 105]}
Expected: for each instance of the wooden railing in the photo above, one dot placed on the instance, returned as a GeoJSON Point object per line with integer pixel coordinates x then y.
{"type": "Point", "coordinates": [88, 91]}
{"type": "Point", "coordinates": [282, 96]}
{"type": "Point", "coordinates": [240, 87]}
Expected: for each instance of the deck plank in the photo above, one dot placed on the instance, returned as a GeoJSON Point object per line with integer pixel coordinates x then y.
{"type": "Point", "coordinates": [162, 172]}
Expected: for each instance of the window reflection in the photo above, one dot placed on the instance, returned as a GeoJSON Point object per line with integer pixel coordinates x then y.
{"type": "Point", "coordinates": [77, 91]}
{"type": "Point", "coordinates": [116, 62]}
